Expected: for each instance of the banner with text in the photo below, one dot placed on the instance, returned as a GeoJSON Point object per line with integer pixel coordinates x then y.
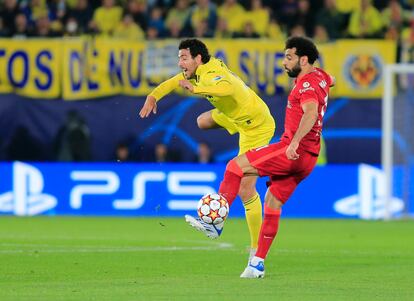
{"type": "Point", "coordinates": [88, 68]}
{"type": "Point", "coordinates": [31, 67]}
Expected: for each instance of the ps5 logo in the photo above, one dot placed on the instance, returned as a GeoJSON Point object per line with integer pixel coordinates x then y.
{"type": "Point", "coordinates": [370, 201]}
{"type": "Point", "coordinates": [26, 198]}
{"type": "Point", "coordinates": [179, 184]}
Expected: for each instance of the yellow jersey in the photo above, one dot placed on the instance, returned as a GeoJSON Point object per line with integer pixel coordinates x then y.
{"type": "Point", "coordinates": [226, 92]}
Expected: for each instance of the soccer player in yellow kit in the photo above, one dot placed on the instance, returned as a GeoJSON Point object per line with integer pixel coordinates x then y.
{"type": "Point", "coordinates": [238, 109]}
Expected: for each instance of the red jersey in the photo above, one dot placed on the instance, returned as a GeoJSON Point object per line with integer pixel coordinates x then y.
{"type": "Point", "coordinates": [313, 86]}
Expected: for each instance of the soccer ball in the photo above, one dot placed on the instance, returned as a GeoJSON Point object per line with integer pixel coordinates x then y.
{"type": "Point", "coordinates": [213, 208]}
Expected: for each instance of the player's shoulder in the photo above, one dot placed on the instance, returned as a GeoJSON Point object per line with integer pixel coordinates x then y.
{"type": "Point", "coordinates": [315, 78]}
{"type": "Point", "coordinates": [215, 72]}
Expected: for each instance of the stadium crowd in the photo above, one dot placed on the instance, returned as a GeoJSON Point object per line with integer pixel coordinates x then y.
{"type": "Point", "coordinates": [324, 20]}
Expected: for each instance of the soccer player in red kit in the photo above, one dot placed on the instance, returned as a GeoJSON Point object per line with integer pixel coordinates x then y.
{"type": "Point", "coordinates": [291, 160]}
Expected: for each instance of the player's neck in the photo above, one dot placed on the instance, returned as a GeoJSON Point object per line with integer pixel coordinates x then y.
{"type": "Point", "coordinates": [306, 70]}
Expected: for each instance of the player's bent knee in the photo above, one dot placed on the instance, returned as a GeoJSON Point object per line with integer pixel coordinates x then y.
{"type": "Point", "coordinates": [247, 192]}
{"type": "Point", "coordinates": [200, 122]}
{"type": "Point", "coordinates": [234, 168]}
{"type": "Point", "coordinates": [203, 122]}
{"type": "Point", "coordinates": [272, 201]}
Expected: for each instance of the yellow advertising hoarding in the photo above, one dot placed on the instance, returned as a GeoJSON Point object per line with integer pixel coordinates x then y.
{"type": "Point", "coordinates": [357, 66]}
{"type": "Point", "coordinates": [77, 69]}
{"type": "Point", "coordinates": [30, 67]}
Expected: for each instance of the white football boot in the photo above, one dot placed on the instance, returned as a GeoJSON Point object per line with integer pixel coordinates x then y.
{"type": "Point", "coordinates": [211, 231]}
{"type": "Point", "coordinates": [255, 269]}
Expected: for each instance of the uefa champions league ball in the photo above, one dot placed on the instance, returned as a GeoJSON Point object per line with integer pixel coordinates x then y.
{"type": "Point", "coordinates": [213, 208]}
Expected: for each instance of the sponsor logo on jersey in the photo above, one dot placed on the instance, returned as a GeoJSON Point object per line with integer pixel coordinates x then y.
{"type": "Point", "coordinates": [306, 89]}
{"type": "Point", "coordinates": [218, 77]}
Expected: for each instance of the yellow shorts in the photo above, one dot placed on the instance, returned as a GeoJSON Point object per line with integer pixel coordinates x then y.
{"type": "Point", "coordinates": [249, 138]}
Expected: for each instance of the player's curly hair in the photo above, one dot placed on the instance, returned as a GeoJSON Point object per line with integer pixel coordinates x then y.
{"type": "Point", "coordinates": [196, 47]}
{"type": "Point", "coordinates": [304, 47]}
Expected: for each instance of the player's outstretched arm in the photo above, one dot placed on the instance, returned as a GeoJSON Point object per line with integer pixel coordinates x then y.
{"type": "Point", "coordinates": [159, 92]}
{"type": "Point", "coordinates": [149, 106]}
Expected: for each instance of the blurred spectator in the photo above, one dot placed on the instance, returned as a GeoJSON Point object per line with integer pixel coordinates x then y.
{"type": "Point", "coordinates": [3, 31]}
{"type": "Point", "coordinates": [73, 140]}
{"type": "Point", "coordinates": [203, 154]}
{"type": "Point", "coordinates": [161, 153]}
{"type": "Point", "coordinates": [203, 31]}
{"type": "Point", "coordinates": [24, 147]}
{"type": "Point", "coordinates": [394, 16]}
{"type": "Point", "coordinates": [297, 31]}
{"type": "Point", "coordinates": [347, 7]}
{"type": "Point", "coordinates": [233, 13]}
{"type": "Point", "coordinates": [332, 20]}
{"type": "Point", "coordinates": [128, 29]}
{"type": "Point", "coordinates": [43, 28]}
{"type": "Point", "coordinates": [222, 30]}
{"type": "Point", "coordinates": [248, 32]}
{"type": "Point", "coordinates": [365, 22]}
{"type": "Point", "coordinates": [274, 30]}
{"type": "Point", "coordinates": [21, 29]}
{"type": "Point", "coordinates": [157, 21]}
{"type": "Point", "coordinates": [122, 153]}
{"type": "Point", "coordinates": [407, 39]}
{"type": "Point", "coordinates": [174, 30]}
{"type": "Point", "coordinates": [176, 18]}
{"type": "Point", "coordinates": [106, 18]}
{"type": "Point", "coordinates": [321, 35]}
{"type": "Point", "coordinates": [304, 17]}
{"type": "Point", "coordinates": [203, 11]}
{"type": "Point", "coordinates": [82, 13]}
{"type": "Point", "coordinates": [71, 3]}
{"type": "Point", "coordinates": [59, 11]}
{"type": "Point", "coordinates": [72, 28]}
{"type": "Point", "coordinates": [152, 33]}
{"type": "Point", "coordinates": [392, 33]}
{"type": "Point", "coordinates": [35, 10]}
{"type": "Point", "coordinates": [259, 17]}
{"type": "Point", "coordinates": [138, 10]}
{"type": "Point", "coordinates": [8, 14]}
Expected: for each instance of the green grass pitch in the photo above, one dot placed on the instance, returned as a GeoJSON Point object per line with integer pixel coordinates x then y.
{"type": "Point", "coordinates": [71, 258]}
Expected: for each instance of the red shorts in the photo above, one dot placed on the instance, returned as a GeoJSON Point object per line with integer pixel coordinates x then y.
{"type": "Point", "coordinates": [284, 174]}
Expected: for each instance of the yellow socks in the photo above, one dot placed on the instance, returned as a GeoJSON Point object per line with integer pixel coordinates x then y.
{"type": "Point", "coordinates": [253, 209]}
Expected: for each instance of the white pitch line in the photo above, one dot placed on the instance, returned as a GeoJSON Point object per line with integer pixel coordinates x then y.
{"type": "Point", "coordinates": [93, 249]}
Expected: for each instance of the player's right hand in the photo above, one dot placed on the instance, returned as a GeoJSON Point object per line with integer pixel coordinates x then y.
{"type": "Point", "coordinates": [149, 106]}
{"type": "Point", "coordinates": [291, 153]}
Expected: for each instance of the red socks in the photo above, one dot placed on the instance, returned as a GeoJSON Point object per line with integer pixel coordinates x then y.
{"type": "Point", "coordinates": [268, 231]}
{"type": "Point", "coordinates": [230, 185]}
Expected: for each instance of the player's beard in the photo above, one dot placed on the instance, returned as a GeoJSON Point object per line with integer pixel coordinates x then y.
{"type": "Point", "coordinates": [294, 72]}
{"type": "Point", "coordinates": [192, 75]}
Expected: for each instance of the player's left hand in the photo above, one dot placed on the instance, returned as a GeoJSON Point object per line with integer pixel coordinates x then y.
{"type": "Point", "coordinates": [186, 85]}
{"type": "Point", "coordinates": [291, 153]}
